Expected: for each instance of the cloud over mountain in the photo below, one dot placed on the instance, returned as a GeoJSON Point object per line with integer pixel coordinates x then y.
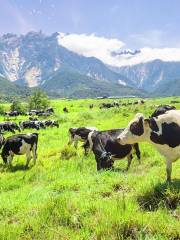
{"type": "Point", "coordinates": [111, 50]}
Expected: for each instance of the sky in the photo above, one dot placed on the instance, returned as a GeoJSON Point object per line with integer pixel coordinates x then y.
{"type": "Point", "coordinates": [135, 23]}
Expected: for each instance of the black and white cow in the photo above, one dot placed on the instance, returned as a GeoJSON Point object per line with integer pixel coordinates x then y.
{"type": "Point", "coordinates": [6, 127]}
{"type": "Point", "coordinates": [106, 148]}
{"type": "Point", "coordinates": [14, 126]}
{"type": "Point", "coordinates": [29, 125]}
{"type": "Point", "coordinates": [163, 132]}
{"type": "Point", "coordinates": [20, 144]}
{"type": "Point", "coordinates": [51, 123]}
{"type": "Point", "coordinates": [65, 110]}
{"type": "Point", "coordinates": [79, 134]}
{"type": "Point", "coordinates": [161, 110]}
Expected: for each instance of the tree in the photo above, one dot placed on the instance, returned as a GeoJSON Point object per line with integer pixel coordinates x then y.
{"type": "Point", "coordinates": [38, 100]}
{"type": "Point", "coordinates": [17, 106]}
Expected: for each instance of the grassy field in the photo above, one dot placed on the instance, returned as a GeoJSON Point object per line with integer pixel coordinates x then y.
{"type": "Point", "coordinates": [64, 197]}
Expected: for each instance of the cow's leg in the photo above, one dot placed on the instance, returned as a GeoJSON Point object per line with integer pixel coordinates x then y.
{"type": "Point", "coordinates": [86, 148]}
{"type": "Point", "coordinates": [34, 152]}
{"type": "Point", "coordinates": [10, 158]}
{"type": "Point", "coordinates": [138, 153]}
{"type": "Point", "coordinates": [28, 157]}
{"type": "Point", "coordinates": [168, 169]}
{"type": "Point", "coordinates": [76, 143]}
{"type": "Point", "coordinates": [98, 164]}
{"type": "Point", "coordinates": [129, 157]}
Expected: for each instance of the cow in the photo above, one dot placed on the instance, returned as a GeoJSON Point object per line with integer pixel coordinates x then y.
{"type": "Point", "coordinates": [14, 126]}
{"type": "Point", "coordinates": [65, 110]}
{"type": "Point", "coordinates": [50, 110]}
{"type": "Point", "coordinates": [106, 148]}
{"type": "Point", "coordinates": [174, 101]}
{"type": "Point", "coordinates": [43, 114]}
{"type": "Point", "coordinates": [163, 132]}
{"type": "Point", "coordinates": [161, 110]}
{"type": "Point", "coordinates": [51, 123]}
{"type": "Point", "coordinates": [79, 134]}
{"type": "Point", "coordinates": [6, 127]}
{"type": "Point", "coordinates": [31, 124]}
{"type": "Point", "coordinates": [33, 119]}
{"type": "Point", "coordinates": [20, 144]}
{"type": "Point", "coordinates": [106, 105]}
{"type": "Point", "coordinates": [91, 106]}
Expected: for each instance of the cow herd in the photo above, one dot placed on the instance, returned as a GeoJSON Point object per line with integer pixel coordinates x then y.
{"type": "Point", "coordinates": [162, 129]}
{"type": "Point", "coordinates": [21, 144]}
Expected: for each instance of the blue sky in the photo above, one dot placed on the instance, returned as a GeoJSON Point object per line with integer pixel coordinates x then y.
{"type": "Point", "coordinates": [138, 23]}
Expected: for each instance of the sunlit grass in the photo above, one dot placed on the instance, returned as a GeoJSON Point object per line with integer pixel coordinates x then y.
{"type": "Point", "coordinates": [64, 197]}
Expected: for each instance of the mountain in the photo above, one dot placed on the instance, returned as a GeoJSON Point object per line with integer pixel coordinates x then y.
{"type": "Point", "coordinates": [8, 90]}
{"type": "Point", "coordinates": [146, 68]}
{"type": "Point", "coordinates": [37, 60]}
{"type": "Point", "coordinates": [156, 76]}
{"type": "Point", "coordinates": [74, 84]}
{"type": "Point", "coordinates": [168, 88]}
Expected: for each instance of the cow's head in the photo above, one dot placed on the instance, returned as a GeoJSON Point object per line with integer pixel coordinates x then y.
{"type": "Point", "coordinates": [136, 131]}
{"type": "Point", "coordinates": [105, 161]}
{"type": "Point", "coordinates": [56, 124]}
{"type": "Point", "coordinates": [71, 135]}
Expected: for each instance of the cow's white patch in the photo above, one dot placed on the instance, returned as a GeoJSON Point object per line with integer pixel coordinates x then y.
{"type": "Point", "coordinates": [24, 148]}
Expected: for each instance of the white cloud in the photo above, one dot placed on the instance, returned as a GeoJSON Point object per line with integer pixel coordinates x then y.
{"type": "Point", "coordinates": [91, 45]}
{"type": "Point", "coordinates": [102, 48]}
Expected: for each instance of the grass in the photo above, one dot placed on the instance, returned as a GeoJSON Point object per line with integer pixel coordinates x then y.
{"type": "Point", "coordinates": [64, 197]}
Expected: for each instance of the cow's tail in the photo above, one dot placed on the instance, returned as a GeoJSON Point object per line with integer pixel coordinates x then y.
{"type": "Point", "coordinates": [137, 150]}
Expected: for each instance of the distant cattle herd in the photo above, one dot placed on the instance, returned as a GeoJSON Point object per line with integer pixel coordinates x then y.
{"type": "Point", "coordinates": [162, 129]}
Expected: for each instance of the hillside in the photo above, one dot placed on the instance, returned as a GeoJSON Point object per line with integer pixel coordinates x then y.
{"type": "Point", "coordinates": [9, 90]}
{"type": "Point", "coordinates": [35, 60]}
{"type": "Point", "coordinates": [70, 83]}
{"type": "Point", "coordinates": [168, 88]}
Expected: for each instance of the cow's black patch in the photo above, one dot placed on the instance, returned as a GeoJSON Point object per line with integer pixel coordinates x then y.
{"type": "Point", "coordinates": [137, 128]}
{"type": "Point", "coordinates": [170, 135]}
{"type": "Point", "coordinates": [153, 125]}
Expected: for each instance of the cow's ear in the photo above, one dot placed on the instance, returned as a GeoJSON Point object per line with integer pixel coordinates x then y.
{"type": "Point", "coordinates": [139, 115]}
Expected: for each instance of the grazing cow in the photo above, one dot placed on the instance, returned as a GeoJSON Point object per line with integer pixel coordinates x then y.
{"type": "Point", "coordinates": [163, 132]}
{"type": "Point", "coordinates": [43, 114]}
{"type": "Point", "coordinates": [35, 112]}
{"type": "Point", "coordinates": [6, 127]}
{"type": "Point", "coordinates": [161, 110]}
{"type": "Point", "coordinates": [106, 148]}
{"type": "Point", "coordinates": [50, 110]}
{"type": "Point", "coordinates": [33, 119]}
{"type": "Point", "coordinates": [2, 140]}
{"type": "Point", "coordinates": [79, 134]}
{"type": "Point", "coordinates": [108, 105]}
{"type": "Point", "coordinates": [51, 123]}
{"type": "Point", "coordinates": [20, 144]}
{"type": "Point", "coordinates": [91, 106]}
{"type": "Point", "coordinates": [65, 110]}
{"type": "Point", "coordinates": [174, 101]}
{"type": "Point", "coordinates": [14, 126]}
{"type": "Point", "coordinates": [29, 124]}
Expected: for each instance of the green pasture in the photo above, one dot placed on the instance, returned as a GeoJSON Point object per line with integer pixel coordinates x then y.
{"type": "Point", "coordinates": [64, 197]}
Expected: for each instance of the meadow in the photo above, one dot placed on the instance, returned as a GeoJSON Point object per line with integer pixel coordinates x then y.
{"type": "Point", "coordinates": [64, 197]}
